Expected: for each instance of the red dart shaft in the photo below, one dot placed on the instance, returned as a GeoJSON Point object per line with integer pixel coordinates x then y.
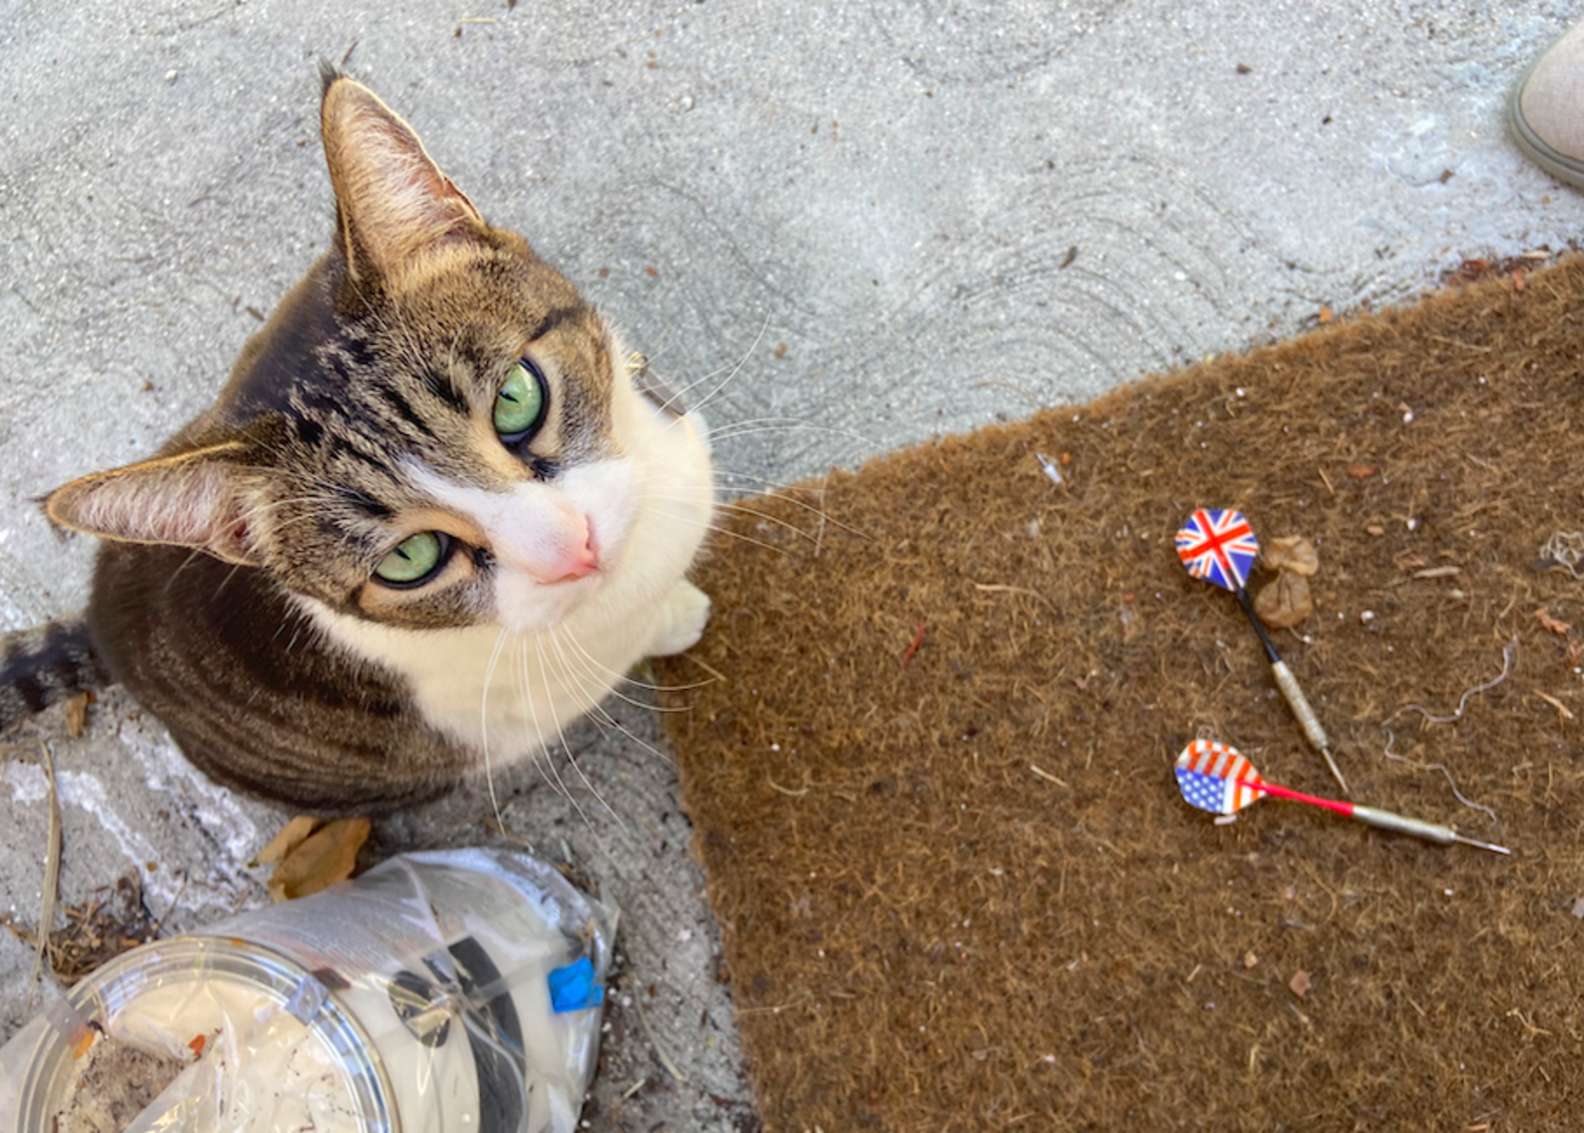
{"type": "Point", "coordinates": [1341, 808]}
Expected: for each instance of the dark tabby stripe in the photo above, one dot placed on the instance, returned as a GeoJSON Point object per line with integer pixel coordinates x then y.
{"type": "Point", "coordinates": [407, 413]}
{"type": "Point", "coordinates": [43, 665]}
{"type": "Point", "coordinates": [439, 383]}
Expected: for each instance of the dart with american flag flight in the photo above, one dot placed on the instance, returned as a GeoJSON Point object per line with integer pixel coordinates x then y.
{"type": "Point", "coordinates": [1216, 777]}
{"type": "Point", "coordinates": [1218, 546]}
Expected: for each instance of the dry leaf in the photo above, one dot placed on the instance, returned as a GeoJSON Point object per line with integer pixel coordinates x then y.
{"type": "Point", "coordinates": [1326, 314]}
{"type": "Point", "coordinates": [83, 1042]}
{"type": "Point", "coordinates": [292, 835]}
{"type": "Point", "coordinates": [1292, 553]}
{"type": "Point", "coordinates": [1361, 471]}
{"type": "Point", "coordinates": [328, 856]}
{"type": "Point", "coordinates": [1299, 984]}
{"type": "Point", "coordinates": [77, 714]}
{"type": "Point", "coordinates": [1375, 529]}
{"type": "Point", "coordinates": [1284, 602]}
{"type": "Point", "coordinates": [1555, 625]}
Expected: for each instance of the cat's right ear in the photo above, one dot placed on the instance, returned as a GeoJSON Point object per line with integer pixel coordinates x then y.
{"type": "Point", "coordinates": [195, 499]}
{"type": "Point", "coordinates": [392, 200]}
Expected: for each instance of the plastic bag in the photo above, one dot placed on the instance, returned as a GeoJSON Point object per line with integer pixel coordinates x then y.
{"type": "Point", "coordinates": [444, 991]}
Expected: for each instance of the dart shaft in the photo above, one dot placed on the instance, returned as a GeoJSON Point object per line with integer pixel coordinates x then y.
{"type": "Point", "coordinates": [1259, 626]}
{"type": "Point", "coordinates": [1402, 824]}
{"type": "Point", "coordinates": [1292, 693]}
{"type": "Point", "coordinates": [1374, 816]}
{"type": "Point", "coordinates": [1305, 715]}
{"type": "Point", "coordinates": [1343, 808]}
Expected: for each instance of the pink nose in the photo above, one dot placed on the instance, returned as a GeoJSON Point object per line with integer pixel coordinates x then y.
{"type": "Point", "coordinates": [580, 559]}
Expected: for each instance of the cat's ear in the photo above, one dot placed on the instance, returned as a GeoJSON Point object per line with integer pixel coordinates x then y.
{"type": "Point", "coordinates": [194, 499]}
{"type": "Point", "coordinates": [392, 200]}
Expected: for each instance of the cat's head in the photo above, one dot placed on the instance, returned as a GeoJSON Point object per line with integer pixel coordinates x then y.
{"type": "Point", "coordinates": [432, 430]}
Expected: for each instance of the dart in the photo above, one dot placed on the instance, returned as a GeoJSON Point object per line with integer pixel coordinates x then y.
{"type": "Point", "coordinates": [1218, 546]}
{"type": "Point", "coordinates": [1216, 777]}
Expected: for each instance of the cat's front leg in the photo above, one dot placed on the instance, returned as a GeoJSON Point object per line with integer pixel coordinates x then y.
{"type": "Point", "coordinates": [682, 620]}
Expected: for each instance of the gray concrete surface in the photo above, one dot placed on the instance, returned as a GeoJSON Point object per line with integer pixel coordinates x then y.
{"type": "Point", "coordinates": [872, 208]}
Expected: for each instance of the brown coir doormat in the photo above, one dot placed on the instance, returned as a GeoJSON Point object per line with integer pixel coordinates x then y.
{"type": "Point", "coordinates": [933, 792]}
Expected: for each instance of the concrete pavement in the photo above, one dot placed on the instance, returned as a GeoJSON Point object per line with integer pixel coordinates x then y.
{"type": "Point", "coordinates": [883, 220]}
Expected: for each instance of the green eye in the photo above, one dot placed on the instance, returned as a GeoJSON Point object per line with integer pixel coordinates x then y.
{"type": "Point", "coordinates": [414, 559]}
{"type": "Point", "coordinates": [520, 404]}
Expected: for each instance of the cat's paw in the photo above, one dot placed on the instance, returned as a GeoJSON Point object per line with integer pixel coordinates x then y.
{"type": "Point", "coordinates": [687, 609]}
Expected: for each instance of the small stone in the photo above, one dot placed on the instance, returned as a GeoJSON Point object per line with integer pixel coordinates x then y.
{"type": "Point", "coordinates": [1367, 616]}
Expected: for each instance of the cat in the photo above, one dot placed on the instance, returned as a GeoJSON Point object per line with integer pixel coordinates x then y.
{"type": "Point", "coordinates": [434, 515]}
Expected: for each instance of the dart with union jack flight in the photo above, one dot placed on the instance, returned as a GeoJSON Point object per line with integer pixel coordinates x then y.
{"type": "Point", "coordinates": [1216, 777]}
{"type": "Point", "coordinates": [1218, 546]}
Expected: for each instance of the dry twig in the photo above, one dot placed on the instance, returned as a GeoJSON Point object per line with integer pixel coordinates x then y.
{"type": "Point", "coordinates": [52, 863]}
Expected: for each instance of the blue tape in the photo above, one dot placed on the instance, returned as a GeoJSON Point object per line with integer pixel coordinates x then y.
{"type": "Point", "coordinates": [572, 987]}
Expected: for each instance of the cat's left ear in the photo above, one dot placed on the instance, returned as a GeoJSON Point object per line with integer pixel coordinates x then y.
{"type": "Point", "coordinates": [392, 200]}
{"type": "Point", "coordinates": [195, 499]}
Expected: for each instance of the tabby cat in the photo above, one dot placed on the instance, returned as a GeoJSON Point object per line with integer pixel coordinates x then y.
{"type": "Point", "coordinates": [434, 514]}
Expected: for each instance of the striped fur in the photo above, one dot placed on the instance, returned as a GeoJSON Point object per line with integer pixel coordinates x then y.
{"type": "Point", "coordinates": [44, 665]}
{"type": "Point", "coordinates": [235, 593]}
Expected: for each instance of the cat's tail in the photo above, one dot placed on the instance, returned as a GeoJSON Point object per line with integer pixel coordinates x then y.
{"type": "Point", "coordinates": [42, 665]}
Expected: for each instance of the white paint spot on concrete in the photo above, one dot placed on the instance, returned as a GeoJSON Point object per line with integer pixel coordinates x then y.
{"type": "Point", "coordinates": [26, 781]}
{"type": "Point", "coordinates": [166, 771]}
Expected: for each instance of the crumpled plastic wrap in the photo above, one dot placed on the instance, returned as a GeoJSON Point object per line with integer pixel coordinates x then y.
{"type": "Point", "coordinates": [415, 998]}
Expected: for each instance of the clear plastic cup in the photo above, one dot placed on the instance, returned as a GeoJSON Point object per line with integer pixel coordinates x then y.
{"type": "Point", "coordinates": [415, 998]}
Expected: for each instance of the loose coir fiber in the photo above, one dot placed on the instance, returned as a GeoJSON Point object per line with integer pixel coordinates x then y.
{"type": "Point", "coordinates": [924, 932]}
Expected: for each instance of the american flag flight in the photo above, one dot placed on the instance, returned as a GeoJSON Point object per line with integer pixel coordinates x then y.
{"type": "Point", "coordinates": [1219, 546]}
{"type": "Point", "coordinates": [1216, 777]}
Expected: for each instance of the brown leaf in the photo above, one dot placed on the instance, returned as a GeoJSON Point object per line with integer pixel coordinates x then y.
{"type": "Point", "coordinates": [1292, 553]}
{"type": "Point", "coordinates": [1361, 471]}
{"type": "Point", "coordinates": [1284, 602]}
{"type": "Point", "coordinates": [1300, 983]}
{"type": "Point", "coordinates": [1554, 625]}
{"type": "Point", "coordinates": [1326, 315]}
{"type": "Point", "coordinates": [327, 857]}
{"type": "Point", "coordinates": [83, 1042]}
{"type": "Point", "coordinates": [77, 714]}
{"type": "Point", "coordinates": [290, 836]}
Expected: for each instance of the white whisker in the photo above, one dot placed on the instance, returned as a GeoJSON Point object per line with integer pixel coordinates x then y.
{"type": "Point", "coordinates": [489, 770]}
{"type": "Point", "coordinates": [597, 713]}
{"type": "Point", "coordinates": [542, 741]}
{"type": "Point", "coordinates": [571, 680]}
{"type": "Point", "coordinates": [724, 382]}
{"type": "Point", "coordinates": [612, 689]}
{"type": "Point", "coordinates": [598, 666]}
